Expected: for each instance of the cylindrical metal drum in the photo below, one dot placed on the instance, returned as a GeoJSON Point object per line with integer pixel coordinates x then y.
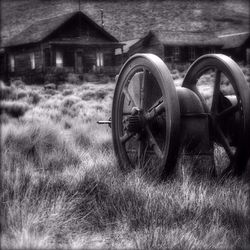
{"type": "Point", "coordinates": [194, 123]}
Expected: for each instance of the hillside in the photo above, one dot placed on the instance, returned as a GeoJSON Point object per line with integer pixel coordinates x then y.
{"type": "Point", "coordinates": [131, 19]}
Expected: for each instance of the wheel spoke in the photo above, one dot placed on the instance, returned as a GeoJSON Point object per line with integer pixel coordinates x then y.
{"type": "Point", "coordinates": [126, 137]}
{"type": "Point", "coordinates": [126, 113]}
{"type": "Point", "coordinates": [154, 143]}
{"type": "Point", "coordinates": [156, 103]}
{"type": "Point", "coordinates": [139, 154]}
{"type": "Point", "coordinates": [142, 84]}
{"type": "Point", "coordinates": [229, 111]}
{"type": "Point", "coordinates": [129, 97]}
{"type": "Point", "coordinates": [155, 110]}
{"type": "Point", "coordinates": [216, 92]}
{"type": "Point", "coordinates": [223, 140]}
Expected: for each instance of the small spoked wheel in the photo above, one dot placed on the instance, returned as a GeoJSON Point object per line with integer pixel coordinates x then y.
{"type": "Point", "coordinates": [225, 94]}
{"type": "Point", "coordinates": [146, 117]}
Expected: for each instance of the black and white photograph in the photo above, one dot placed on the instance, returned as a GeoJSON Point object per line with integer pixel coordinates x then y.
{"type": "Point", "coordinates": [125, 124]}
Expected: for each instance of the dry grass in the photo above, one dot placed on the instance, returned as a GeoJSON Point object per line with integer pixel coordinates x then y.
{"type": "Point", "coordinates": [62, 188]}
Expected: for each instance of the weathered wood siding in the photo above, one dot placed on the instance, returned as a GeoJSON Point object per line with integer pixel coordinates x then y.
{"type": "Point", "coordinates": [240, 53]}
{"type": "Point", "coordinates": [151, 45]}
{"type": "Point", "coordinates": [3, 66]}
{"type": "Point", "coordinates": [187, 54]}
{"type": "Point", "coordinates": [22, 60]}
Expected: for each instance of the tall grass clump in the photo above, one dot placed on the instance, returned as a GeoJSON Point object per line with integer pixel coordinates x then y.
{"type": "Point", "coordinates": [7, 92]}
{"type": "Point", "coordinates": [43, 144]}
{"type": "Point", "coordinates": [34, 97]}
{"type": "Point", "coordinates": [73, 79]}
{"type": "Point", "coordinates": [13, 108]}
{"type": "Point", "coordinates": [18, 84]}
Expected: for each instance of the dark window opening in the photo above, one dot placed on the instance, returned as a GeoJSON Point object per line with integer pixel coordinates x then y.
{"type": "Point", "coordinates": [47, 57]}
{"type": "Point", "coordinates": [248, 55]}
{"type": "Point", "coordinates": [212, 50]}
{"type": "Point", "coordinates": [192, 54]}
{"type": "Point", "coordinates": [176, 53]}
{"type": "Point", "coordinates": [68, 59]}
{"type": "Point", "coordinates": [2, 64]}
{"type": "Point", "coordinates": [108, 59]}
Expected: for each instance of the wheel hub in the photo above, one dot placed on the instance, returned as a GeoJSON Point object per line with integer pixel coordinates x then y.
{"type": "Point", "coordinates": [136, 122]}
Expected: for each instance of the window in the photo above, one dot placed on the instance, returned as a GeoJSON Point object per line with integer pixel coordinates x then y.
{"type": "Point", "coordinates": [59, 59]}
{"type": "Point", "coordinates": [248, 55]}
{"type": "Point", "coordinates": [176, 53]}
{"type": "Point", "coordinates": [32, 61]}
{"type": "Point", "coordinates": [12, 63]}
{"type": "Point", "coordinates": [99, 59]}
{"type": "Point", "coordinates": [69, 58]}
{"type": "Point", "coordinates": [47, 58]}
{"type": "Point", "coordinates": [108, 59]}
{"type": "Point", "coordinates": [211, 50]}
{"type": "Point", "coordinates": [192, 53]}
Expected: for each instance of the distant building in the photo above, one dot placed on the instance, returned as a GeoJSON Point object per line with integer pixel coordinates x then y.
{"type": "Point", "coordinates": [123, 53]}
{"type": "Point", "coordinates": [237, 46]}
{"type": "Point", "coordinates": [71, 41]}
{"type": "Point", "coordinates": [185, 47]}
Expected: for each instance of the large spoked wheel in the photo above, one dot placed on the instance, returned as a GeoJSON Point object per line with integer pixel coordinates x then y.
{"type": "Point", "coordinates": [221, 85]}
{"type": "Point", "coordinates": [146, 116]}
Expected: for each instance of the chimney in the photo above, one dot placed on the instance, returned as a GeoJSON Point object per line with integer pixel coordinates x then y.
{"type": "Point", "coordinates": [79, 5]}
{"type": "Point", "coordinates": [101, 10]}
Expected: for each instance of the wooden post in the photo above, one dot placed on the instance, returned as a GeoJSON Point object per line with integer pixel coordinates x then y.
{"type": "Point", "coordinates": [5, 67]}
{"type": "Point", "coordinates": [42, 58]}
{"type": "Point", "coordinates": [51, 56]}
{"type": "Point", "coordinates": [75, 68]}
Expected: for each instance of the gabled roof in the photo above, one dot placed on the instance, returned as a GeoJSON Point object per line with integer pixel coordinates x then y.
{"type": "Point", "coordinates": [43, 28]}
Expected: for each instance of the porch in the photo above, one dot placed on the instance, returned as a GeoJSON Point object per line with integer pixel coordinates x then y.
{"type": "Point", "coordinates": [79, 58]}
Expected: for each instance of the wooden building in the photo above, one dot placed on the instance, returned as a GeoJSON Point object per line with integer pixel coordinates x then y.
{"type": "Point", "coordinates": [3, 65]}
{"type": "Point", "coordinates": [185, 47]}
{"type": "Point", "coordinates": [122, 54]}
{"type": "Point", "coordinates": [237, 46]}
{"type": "Point", "coordinates": [72, 42]}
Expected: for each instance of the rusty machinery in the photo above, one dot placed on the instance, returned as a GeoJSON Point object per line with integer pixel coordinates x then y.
{"type": "Point", "coordinates": [153, 121]}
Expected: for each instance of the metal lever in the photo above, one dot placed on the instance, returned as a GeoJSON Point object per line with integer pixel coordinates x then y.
{"type": "Point", "coordinates": [105, 122]}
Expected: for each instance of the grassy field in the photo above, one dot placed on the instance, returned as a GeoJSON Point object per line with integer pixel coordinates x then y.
{"type": "Point", "coordinates": [132, 19]}
{"type": "Point", "coordinates": [61, 187]}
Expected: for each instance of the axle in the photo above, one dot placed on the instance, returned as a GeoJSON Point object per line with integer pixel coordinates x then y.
{"type": "Point", "coordinates": [196, 124]}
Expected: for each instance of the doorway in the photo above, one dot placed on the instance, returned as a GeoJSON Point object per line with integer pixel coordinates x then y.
{"type": "Point", "coordinates": [79, 62]}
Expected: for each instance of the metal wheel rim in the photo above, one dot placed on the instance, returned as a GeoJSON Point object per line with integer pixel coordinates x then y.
{"type": "Point", "coordinates": [233, 72]}
{"type": "Point", "coordinates": [159, 70]}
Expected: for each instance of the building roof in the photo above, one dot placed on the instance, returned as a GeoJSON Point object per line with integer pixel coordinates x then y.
{"type": "Point", "coordinates": [197, 39]}
{"type": "Point", "coordinates": [234, 40]}
{"type": "Point", "coordinates": [127, 45]}
{"type": "Point", "coordinates": [43, 28]}
{"type": "Point", "coordinates": [86, 41]}
{"type": "Point", "coordinates": [188, 38]}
